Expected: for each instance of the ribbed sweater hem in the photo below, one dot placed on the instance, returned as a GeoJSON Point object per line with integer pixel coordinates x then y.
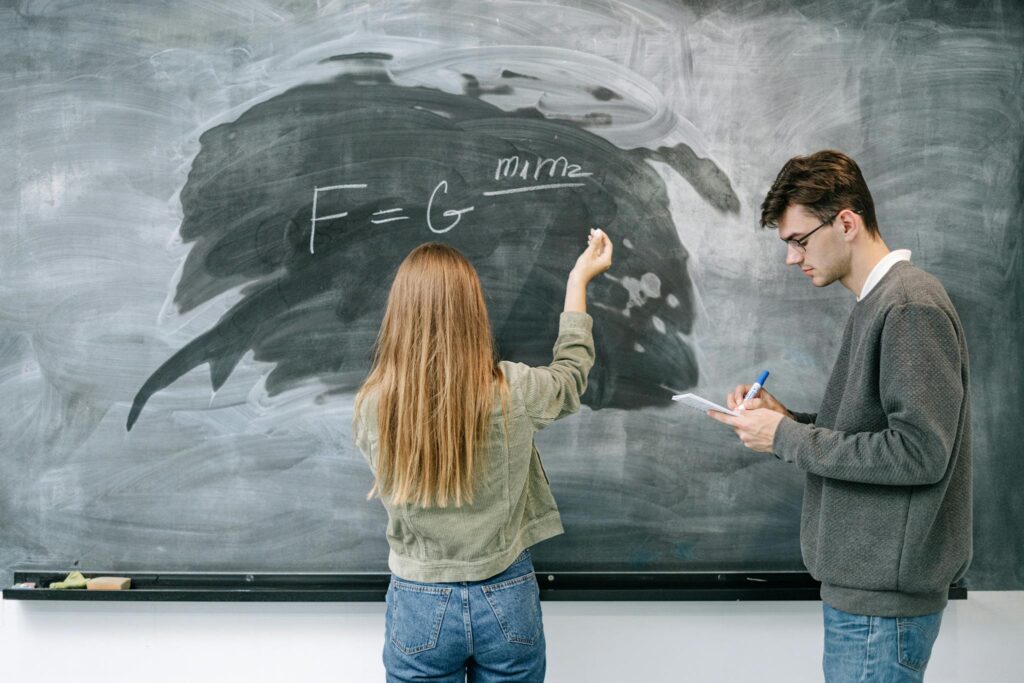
{"type": "Point", "coordinates": [883, 603]}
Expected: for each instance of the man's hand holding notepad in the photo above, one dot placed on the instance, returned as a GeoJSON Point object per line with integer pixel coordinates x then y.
{"type": "Point", "coordinates": [704, 405]}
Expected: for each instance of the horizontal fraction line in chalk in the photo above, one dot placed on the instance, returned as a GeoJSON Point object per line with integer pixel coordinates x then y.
{"type": "Point", "coordinates": [532, 188]}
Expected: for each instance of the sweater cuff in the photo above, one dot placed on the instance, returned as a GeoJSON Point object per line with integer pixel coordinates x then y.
{"type": "Point", "coordinates": [788, 436]}
{"type": "Point", "coordinates": [804, 418]}
{"type": "Point", "coordinates": [575, 320]}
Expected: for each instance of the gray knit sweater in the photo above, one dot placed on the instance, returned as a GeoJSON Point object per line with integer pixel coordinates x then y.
{"type": "Point", "coordinates": [886, 522]}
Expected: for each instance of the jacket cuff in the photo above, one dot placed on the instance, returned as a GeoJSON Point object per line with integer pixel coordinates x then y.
{"type": "Point", "coordinates": [575, 320]}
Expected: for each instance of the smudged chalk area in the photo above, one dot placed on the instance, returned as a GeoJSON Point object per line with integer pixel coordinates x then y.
{"type": "Point", "coordinates": [308, 201]}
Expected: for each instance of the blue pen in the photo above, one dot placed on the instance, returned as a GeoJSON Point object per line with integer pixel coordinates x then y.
{"type": "Point", "coordinates": [755, 387]}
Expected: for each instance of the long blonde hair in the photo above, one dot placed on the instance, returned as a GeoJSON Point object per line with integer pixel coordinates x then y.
{"type": "Point", "coordinates": [434, 375]}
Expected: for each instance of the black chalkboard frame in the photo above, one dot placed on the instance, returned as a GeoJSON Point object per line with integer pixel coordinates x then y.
{"type": "Point", "coordinates": [371, 587]}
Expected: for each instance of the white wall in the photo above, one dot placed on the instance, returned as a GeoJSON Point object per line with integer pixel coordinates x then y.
{"type": "Point", "coordinates": [982, 640]}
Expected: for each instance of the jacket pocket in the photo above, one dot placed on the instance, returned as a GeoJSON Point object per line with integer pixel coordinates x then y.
{"type": "Point", "coordinates": [516, 606]}
{"type": "Point", "coordinates": [416, 615]}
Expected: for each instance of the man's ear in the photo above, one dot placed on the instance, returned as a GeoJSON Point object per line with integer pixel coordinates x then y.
{"type": "Point", "coordinates": [852, 224]}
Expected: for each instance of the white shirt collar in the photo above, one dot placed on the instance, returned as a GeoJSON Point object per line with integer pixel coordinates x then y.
{"type": "Point", "coordinates": [881, 268]}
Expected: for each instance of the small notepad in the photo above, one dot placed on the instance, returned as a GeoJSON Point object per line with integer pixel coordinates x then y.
{"type": "Point", "coordinates": [695, 401]}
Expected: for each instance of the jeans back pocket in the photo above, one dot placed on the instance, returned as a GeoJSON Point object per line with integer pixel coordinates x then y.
{"type": "Point", "coordinates": [516, 606]}
{"type": "Point", "coordinates": [916, 637]}
{"type": "Point", "coordinates": [416, 613]}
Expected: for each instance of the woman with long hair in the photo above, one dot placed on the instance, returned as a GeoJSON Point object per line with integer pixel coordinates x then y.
{"type": "Point", "coordinates": [448, 431]}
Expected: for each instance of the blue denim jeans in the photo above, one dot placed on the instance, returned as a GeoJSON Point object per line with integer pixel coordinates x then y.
{"type": "Point", "coordinates": [484, 631]}
{"type": "Point", "coordinates": [861, 649]}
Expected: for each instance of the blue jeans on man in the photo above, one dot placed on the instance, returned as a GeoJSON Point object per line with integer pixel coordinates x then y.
{"type": "Point", "coordinates": [865, 649]}
{"type": "Point", "coordinates": [483, 631]}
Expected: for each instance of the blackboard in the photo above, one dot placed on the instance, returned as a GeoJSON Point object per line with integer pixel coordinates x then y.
{"type": "Point", "coordinates": [202, 205]}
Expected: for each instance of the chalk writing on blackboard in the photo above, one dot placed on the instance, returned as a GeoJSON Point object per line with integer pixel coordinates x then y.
{"type": "Point", "coordinates": [508, 167]}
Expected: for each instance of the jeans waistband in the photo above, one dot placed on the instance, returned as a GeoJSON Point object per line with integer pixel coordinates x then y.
{"type": "Point", "coordinates": [523, 564]}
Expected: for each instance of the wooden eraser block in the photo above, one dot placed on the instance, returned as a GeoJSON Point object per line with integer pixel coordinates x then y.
{"type": "Point", "coordinates": [108, 583]}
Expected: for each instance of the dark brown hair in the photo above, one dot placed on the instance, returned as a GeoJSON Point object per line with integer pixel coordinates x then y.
{"type": "Point", "coordinates": [825, 182]}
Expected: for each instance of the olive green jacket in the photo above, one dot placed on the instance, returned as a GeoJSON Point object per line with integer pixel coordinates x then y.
{"type": "Point", "coordinates": [513, 507]}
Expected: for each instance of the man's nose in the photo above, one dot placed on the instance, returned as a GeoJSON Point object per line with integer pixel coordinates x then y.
{"type": "Point", "coordinates": [793, 255]}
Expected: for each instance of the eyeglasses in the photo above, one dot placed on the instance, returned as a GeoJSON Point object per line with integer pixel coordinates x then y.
{"type": "Point", "coordinates": [801, 244]}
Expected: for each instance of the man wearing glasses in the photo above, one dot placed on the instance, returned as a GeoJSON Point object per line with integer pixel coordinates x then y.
{"type": "Point", "coordinates": [886, 520]}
